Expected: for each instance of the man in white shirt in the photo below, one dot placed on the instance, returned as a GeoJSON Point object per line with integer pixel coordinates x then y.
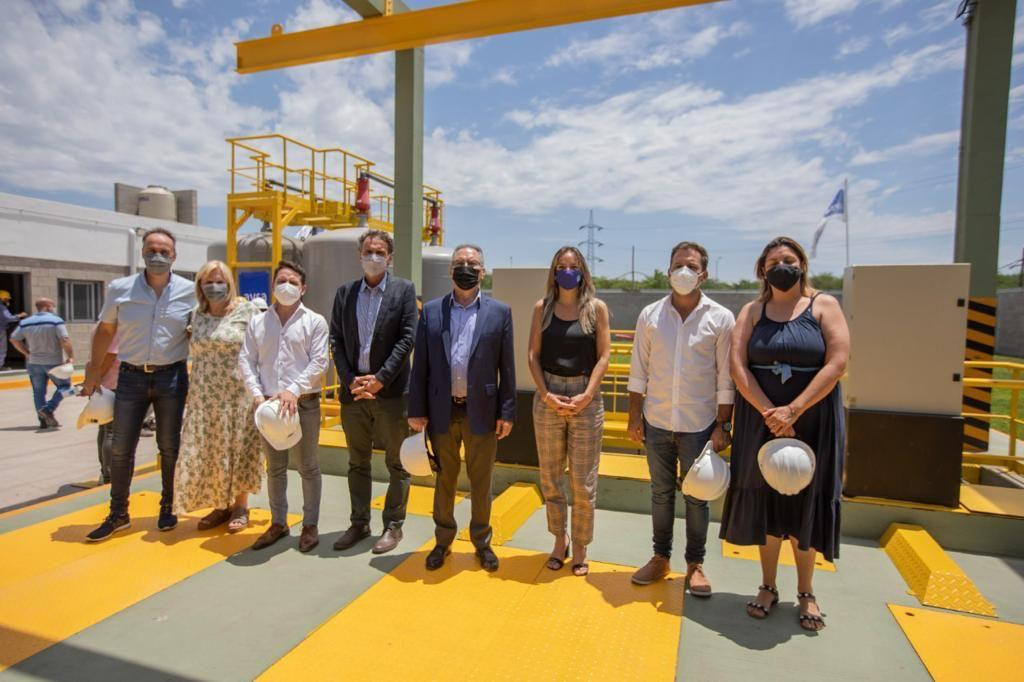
{"type": "Point", "coordinates": [284, 356]}
{"type": "Point", "coordinates": [680, 396]}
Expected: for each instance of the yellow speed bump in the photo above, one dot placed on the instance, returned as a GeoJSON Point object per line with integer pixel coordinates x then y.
{"type": "Point", "coordinates": [933, 577]}
{"type": "Point", "coordinates": [510, 510]}
{"type": "Point", "coordinates": [751, 553]}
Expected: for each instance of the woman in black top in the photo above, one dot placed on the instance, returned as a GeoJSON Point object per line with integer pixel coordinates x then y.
{"type": "Point", "coordinates": [570, 344]}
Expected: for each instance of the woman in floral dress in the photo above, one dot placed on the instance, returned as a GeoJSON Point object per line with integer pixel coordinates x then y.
{"type": "Point", "coordinates": [219, 461]}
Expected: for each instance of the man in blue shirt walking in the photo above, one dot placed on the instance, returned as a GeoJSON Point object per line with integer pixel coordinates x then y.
{"type": "Point", "coordinates": [6, 318]}
{"type": "Point", "coordinates": [149, 312]}
{"type": "Point", "coordinates": [43, 340]}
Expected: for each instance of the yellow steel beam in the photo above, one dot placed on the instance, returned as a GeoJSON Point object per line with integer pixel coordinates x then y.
{"type": "Point", "coordinates": [430, 26]}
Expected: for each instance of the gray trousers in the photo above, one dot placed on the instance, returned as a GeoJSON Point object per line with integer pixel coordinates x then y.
{"type": "Point", "coordinates": [309, 468]}
{"type": "Point", "coordinates": [480, 451]}
{"type": "Point", "coordinates": [381, 420]}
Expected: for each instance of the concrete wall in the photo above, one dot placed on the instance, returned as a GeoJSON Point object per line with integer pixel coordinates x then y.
{"type": "Point", "coordinates": [1010, 323]}
{"type": "Point", "coordinates": [625, 306]}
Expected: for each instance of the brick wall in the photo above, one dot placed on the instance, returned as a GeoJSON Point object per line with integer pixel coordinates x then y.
{"type": "Point", "coordinates": [41, 280]}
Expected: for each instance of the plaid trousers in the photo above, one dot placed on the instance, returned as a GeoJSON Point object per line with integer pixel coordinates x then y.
{"type": "Point", "coordinates": [574, 441]}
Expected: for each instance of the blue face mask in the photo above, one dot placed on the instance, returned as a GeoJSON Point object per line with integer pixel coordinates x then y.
{"type": "Point", "coordinates": [568, 279]}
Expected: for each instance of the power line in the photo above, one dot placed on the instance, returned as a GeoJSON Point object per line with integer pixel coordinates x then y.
{"type": "Point", "coordinates": [591, 243]}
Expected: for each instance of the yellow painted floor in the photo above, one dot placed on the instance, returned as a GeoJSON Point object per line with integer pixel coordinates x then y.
{"type": "Point", "coordinates": [53, 584]}
{"type": "Point", "coordinates": [750, 552]}
{"type": "Point", "coordinates": [990, 499]}
{"type": "Point", "coordinates": [959, 648]}
{"type": "Point", "coordinates": [421, 500]}
{"type": "Point", "coordinates": [523, 622]}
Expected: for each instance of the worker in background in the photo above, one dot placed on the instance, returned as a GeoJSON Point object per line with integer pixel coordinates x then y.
{"type": "Point", "coordinates": [680, 396]}
{"type": "Point", "coordinates": [283, 357]}
{"type": "Point", "coordinates": [149, 311]}
{"type": "Point", "coordinates": [43, 339]}
{"type": "Point", "coordinates": [7, 318]}
{"type": "Point", "coordinates": [373, 328]}
{"type": "Point", "coordinates": [463, 392]}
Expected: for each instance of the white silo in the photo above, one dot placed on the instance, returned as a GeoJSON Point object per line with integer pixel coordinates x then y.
{"type": "Point", "coordinates": [436, 280]}
{"type": "Point", "coordinates": [158, 202]}
{"type": "Point", "coordinates": [330, 258]}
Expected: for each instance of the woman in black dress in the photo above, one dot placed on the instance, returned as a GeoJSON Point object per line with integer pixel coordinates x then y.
{"type": "Point", "coordinates": [789, 350]}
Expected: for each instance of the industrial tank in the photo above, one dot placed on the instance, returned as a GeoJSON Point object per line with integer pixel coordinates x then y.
{"type": "Point", "coordinates": [331, 258]}
{"type": "Point", "coordinates": [158, 202]}
{"type": "Point", "coordinates": [255, 247]}
{"type": "Point", "coordinates": [436, 280]}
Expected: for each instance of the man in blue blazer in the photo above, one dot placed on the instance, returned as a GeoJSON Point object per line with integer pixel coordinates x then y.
{"type": "Point", "coordinates": [463, 391]}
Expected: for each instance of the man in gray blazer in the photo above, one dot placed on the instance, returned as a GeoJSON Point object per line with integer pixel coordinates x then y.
{"type": "Point", "coordinates": [373, 328]}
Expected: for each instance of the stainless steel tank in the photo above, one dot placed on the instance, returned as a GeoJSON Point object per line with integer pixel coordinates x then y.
{"type": "Point", "coordinates": [436, 280]}
{"type": "Point", "coordinates": [255, 247]}
{"type": "Point", "coordinates": [331, 258]}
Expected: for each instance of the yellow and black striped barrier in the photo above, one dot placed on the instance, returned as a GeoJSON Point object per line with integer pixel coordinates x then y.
{"type": "Point", "coordinates": [980, 346]}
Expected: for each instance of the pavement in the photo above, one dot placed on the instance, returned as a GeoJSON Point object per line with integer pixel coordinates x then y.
{"type": "Point", "coordinates": [41, 464]}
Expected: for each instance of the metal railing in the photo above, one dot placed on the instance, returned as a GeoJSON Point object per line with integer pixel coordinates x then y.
{"type": "Point", "coordinates": [1014, 385]}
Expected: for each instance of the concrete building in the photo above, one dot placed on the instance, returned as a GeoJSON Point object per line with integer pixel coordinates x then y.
{"type": "Point", "coordinates": [70, 253]}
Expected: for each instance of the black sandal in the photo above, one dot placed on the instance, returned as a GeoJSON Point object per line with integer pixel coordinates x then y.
{"type": "Point", "coordinates": [554, 563]}
{"type": "Point", "coordinates": [810, 621]}
{"type": "Point", "coordinates": [765, 610]}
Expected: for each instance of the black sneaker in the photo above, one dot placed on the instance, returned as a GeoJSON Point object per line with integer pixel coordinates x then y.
{"type": "Point", "coordinates": [167, 520]}
{"type": "Point", "coordinates": [112, 524]}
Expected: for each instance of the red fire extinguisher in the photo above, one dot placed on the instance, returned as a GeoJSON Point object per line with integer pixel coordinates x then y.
{"type": "Point", "coordinates": [363, 194]}
{"type": "Point", "coordinates": [435, 220]}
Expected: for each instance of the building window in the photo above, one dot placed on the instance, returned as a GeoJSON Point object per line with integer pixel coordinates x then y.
{"type": "Point", "coordinates": [79, 301]}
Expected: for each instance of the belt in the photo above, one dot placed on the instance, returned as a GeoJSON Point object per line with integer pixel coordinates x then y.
{"type": "Point", "coordinates": [304, 396]}
{"type": "Point", "coordinates": [784, 371]}
{"type": "Point", "coordinates": [150, 369]}
{"type": "Point", "coordinates": [458, 401]}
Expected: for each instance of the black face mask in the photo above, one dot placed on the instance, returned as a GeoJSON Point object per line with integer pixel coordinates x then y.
{"type": "Point", "coordinates": [465, 277]}
{"type": "Point", "coordinates": [783, 276]}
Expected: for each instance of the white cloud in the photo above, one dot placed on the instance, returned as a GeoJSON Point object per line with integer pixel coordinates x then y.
{"type": "Point", "coordinates": [853, 46]}
{"type": "Point", "coordinates": [806, 13]}
{"type": "Point", "coordinates": [444, 61]}
{"type": "Point", "coordinates": [755, 163]}
{"type": "Point", "coordinates": [648, 42]}
{"type": "Point", "coordinates": [919, 146]}
{"type": "Point", "coordinates": [505, 75]}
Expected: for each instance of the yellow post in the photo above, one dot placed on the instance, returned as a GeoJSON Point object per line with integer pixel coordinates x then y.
{"type": "Point", "coordinates": [1014, 397]}
{"type": "Point", "coordinates": [232, 244]}
{"type": "Point", "coordinates": [275, 244]}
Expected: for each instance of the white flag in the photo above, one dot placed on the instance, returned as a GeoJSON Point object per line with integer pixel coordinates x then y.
{"type": "Point", "coordinates": [837, 207]}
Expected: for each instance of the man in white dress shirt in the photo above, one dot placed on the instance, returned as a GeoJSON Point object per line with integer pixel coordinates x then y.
{"type": "Point", "coordinates": [284, 356]}
{"type": "Point", "coordinates": [680, 396]}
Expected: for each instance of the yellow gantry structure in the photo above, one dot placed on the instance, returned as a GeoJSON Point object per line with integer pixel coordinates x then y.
{"type": "Point", "coordinates": [287, 183]}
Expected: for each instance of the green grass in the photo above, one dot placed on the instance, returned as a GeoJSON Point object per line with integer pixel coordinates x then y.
{"type": "Point", "coordinates": [1001, 397]}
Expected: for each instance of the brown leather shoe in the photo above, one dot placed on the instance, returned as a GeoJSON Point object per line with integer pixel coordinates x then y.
{"type": "Point", "coordinates": [309, 539]}
{"type": "Point", "coordinates": [215, 518]}
{"type": "Point", "coordinates": [351, 536]}
{"type": "Point", "coordinates": [696, 581]}
{"type": "Point", "coordinates": [388, 541]}
{"type": "Point", "coordinates": [655, 569]}
{"type": "Point", "coordinates": [270, 535]}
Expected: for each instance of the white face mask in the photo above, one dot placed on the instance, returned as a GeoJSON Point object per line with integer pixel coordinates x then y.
{"type": "Point", "coordinates": [374, 264]}
{"type": "Point", "coordinates": [287, 293]}
{"type": "Point", "coordinates": [684, 280]}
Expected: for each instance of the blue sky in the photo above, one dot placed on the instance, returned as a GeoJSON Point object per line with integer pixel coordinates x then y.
{"type": "Point", "coordinates": [727, 124]}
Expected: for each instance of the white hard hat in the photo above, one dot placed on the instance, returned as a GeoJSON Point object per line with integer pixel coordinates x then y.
{"type": "Point", "coordinates": [708, 477]}
{"type": "Point", "coordinates": [415, 456]}
{"type": "Point", "coordinates": [65, 371]}
{"type": "Point", "coordinates": [99, 410]}
{"type": "Point", "coordinates": [787, 464]}
{"type": "Point", "coordinates": [280, 432]}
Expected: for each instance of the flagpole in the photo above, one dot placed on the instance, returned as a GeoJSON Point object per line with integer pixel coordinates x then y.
{"type": "Point", "coordinates": [846, 218]}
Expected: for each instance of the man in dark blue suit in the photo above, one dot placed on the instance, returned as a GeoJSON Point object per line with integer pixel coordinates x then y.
{"type": "Point", "coordinates": [463, 391]}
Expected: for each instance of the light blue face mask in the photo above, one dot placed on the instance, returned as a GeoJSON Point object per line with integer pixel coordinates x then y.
{"type": "Point", "coordinates": [157, 263]}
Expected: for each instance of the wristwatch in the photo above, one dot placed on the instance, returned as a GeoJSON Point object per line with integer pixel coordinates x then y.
{"type": "Point", "coordinates": [726, 426]}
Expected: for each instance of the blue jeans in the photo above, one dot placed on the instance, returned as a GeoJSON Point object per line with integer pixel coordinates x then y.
{"type": "Point", "coordinates": [136, 391]}
{"type": "Point", "coordinates": [37, 374]}
{"type": "Point", "coordinates": [666, 451]}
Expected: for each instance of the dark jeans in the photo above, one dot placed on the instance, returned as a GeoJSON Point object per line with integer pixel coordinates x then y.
{"type": "Point", "coordinates": [381, 420]}
{"type": "Point", "coordinates": [136, 391]}
{"type": "Point", "coordinates": [104, 447]}
{"type": "Point", "coordinates": [671, 454]}
{"type": "Point", "coordinates": [480, 452]}
{"type": "Point", "coordinates": [37, 374]}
